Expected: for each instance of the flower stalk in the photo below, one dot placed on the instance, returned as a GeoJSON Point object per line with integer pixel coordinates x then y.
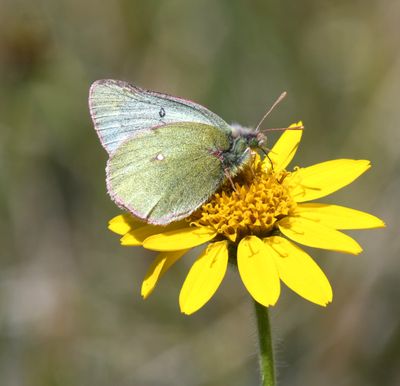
{"type": "Point", "coordinates": [266, 354]}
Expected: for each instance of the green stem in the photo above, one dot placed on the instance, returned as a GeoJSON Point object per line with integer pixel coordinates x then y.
{"type": "Point", "coordinates": [267, 368]}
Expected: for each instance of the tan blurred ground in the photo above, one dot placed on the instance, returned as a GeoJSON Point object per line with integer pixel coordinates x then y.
{"type": "Point", "coordinates": [70, 308]}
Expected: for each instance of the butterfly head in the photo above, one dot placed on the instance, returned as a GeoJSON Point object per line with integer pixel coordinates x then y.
{"type": "Point", "coordinates": [252, 138]}
{"type": "Point", "coordinates": [257, 139]}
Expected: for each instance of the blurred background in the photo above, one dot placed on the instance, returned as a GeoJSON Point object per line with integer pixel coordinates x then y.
{"type": "Point", "coordinates": [70, 305]}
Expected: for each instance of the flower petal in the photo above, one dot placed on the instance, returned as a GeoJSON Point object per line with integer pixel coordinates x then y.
{"type": "Point", "coordinates": [258, 270]}
{"type": "Point", "coordinates": [179, 239]}
{"type": "Point", "coordinates": [136, 236]}
{"type": "Point", "coordinates": [163, 262]}
{"type": "Point", "coordinates": [204, 277]}
{"type": "Point", "coordinates": [123, 223]}
{"type": "Point", "coordinates": [338, 217]}
{"type": "Point", "coordinates": [309, 233]}
{"type": "Point", "coordinates": [285, 148]}
{"type": "Point", "coordinates": [299, 271]}
{"type": "Point", "coordinates": [324, 178]}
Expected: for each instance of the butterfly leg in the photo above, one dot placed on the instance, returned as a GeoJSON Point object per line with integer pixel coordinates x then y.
{"type": "Point", "coordinates": [252, 170]}
{"type": "Point", "coordinates": [266, 150]}
{"type": "Point", "coordinates": [218, 154]}
{"type": "Point", "coordinates": [229, 177]}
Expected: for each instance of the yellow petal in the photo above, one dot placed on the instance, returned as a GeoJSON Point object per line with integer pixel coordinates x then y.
{"type": "Point", "coordinates": [299, 271]}
{"type": "Point", "coordinates": [285, 148]}
{"type": "Point", "coordinates": [204, 277]}
{"type": "Point", "coordinates": [123, 223]}
{"type": "Point", "coordinates": [136, 236]}
{"type": "Point", "coordinates": [163, 262]}
{"type": "Point", "coordinates": [309, 233]}
{"type": "Point", "coordinates": [258, 270]}
{"type": "Point", "coordinates": [183, 238]}
{"type": "Point", "coordinates": [338, 217]}
{"type": "Point", "coordinates": [319, 180]}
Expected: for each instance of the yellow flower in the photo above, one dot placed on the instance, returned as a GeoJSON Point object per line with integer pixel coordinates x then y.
{"type": "Point", "coordinates": [248, 224]}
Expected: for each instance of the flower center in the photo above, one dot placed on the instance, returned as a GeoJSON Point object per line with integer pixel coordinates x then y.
{"type": "Point", "coordinates": [258, 201]}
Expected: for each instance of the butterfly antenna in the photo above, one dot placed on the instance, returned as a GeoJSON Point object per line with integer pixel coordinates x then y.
{"type": "Point", "coordinates": [281, 97]}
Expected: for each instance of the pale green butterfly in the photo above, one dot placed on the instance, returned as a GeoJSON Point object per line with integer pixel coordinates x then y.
{"type": "Point", "coordinates": [167, 155]}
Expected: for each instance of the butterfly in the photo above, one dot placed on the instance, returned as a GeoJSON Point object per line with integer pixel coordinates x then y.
{"type": "Point", "coordinates": [167, 155]}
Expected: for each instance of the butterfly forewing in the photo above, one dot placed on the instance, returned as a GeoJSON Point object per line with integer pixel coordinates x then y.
{"type": "Point", "coordinates": [164, 175]}
{"type": "Point", "coordinates": [120, 111]}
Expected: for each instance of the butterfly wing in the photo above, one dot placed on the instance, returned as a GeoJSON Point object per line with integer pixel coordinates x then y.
{"type": "Point", "coordinates": [165, 174]}
{"type": "Point", "coordinates": [120, 110]}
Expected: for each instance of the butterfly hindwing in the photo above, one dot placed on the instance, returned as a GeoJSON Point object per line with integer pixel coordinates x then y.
{"type": "Point", "coordinates": [165, 174]}
{"type": "Point", "coordinates": [120, 110]}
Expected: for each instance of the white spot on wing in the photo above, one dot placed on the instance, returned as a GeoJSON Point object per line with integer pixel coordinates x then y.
{"type": "Point", "coordinates": [160, 157]}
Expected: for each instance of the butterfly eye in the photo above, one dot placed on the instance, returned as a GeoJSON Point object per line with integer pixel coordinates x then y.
{"type": "Point", "coordinates": [261, 139]}
{"type": "Point", "coordinates": [253, 142]}
{"type": "Point", "coordinates": [161, 113]}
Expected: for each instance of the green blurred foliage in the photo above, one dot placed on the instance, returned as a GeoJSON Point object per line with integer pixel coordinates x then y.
{"type": "Point", "coordinates": [70, 306]}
